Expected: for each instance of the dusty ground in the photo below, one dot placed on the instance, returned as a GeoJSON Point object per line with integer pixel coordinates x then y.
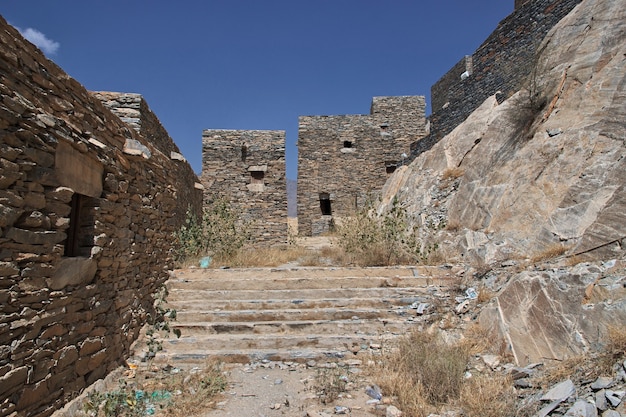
{"type": "Point", "coordinates": [286, 389]}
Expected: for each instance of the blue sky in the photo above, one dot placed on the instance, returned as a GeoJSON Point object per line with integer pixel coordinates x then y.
{"type": "Point", "coordinates": [255, 64]}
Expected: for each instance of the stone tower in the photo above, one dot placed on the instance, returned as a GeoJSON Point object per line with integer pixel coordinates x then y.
{"type": "Point", "coordinates": [345, 160]}
{"type": "Point", "coordinates": [248, 168]}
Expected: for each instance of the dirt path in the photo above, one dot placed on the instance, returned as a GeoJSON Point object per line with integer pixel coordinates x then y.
{"type": "Point", "coordinates": [274, 389]}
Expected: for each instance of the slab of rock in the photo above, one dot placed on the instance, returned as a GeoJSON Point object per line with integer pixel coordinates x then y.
{"type": "Point", "coordinates": [560, 392]}
{"type": "Point", "coordinates": [582, 408]}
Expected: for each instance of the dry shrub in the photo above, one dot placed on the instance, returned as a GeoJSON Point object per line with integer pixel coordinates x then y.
{"type": "Point", "coordinates": [480, 339]}
{"type": "Point", "coordinates": [558, 371]}
{"type": "Point", "coordinates": [488, 396]}
{"type": "Point", "coordinates": [485, 295]}
{"type": "Point", "coordinates": [614, 348]}
{"type": "Point", "coordinates": [423, 372]}
{"type": "Point", "coordinates": [550, 252]}
{"type": "Point", "coordinates": [199, 390]}
{"type": "Point", "coordinates": [452, 173]}
{"type": "Point", "coordinates": [330, 383]}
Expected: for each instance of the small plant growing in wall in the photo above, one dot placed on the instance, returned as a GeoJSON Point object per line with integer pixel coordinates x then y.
{"type": "Point", "coordinates": [159, 323]}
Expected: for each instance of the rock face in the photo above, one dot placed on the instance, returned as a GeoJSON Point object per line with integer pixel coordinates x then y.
{"type": "Point", "coordinates": [539, 176]}
{"type": "Point", "coordinates": [542, 172]}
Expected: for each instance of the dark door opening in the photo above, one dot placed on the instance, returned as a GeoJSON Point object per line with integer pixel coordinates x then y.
{"type": "Point", "coordinates": [325, 204]}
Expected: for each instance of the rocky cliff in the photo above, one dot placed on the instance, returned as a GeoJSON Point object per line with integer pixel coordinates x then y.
{"type": "Point", "coordinates": [543, 171]}
{"type": "Point", "coordinates": [534, 177]}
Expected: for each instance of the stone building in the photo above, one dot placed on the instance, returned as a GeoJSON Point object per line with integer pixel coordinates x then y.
{"type": "Point", "coordinates": [503, 63]}
{"type": "Point", "coordinates": [88, 206]}
{"type": "Point", "coordinates": [345, 160]}
{"type": "Point", "coordinates": [248, 168]}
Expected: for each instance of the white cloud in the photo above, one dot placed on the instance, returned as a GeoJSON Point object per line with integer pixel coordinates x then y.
{"type": "Point", "coordinates": [48, 46]}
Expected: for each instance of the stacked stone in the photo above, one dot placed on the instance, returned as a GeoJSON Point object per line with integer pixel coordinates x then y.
{"type": "Point", "coordinates": [134, 111]}
{"type": "Point", "coordinates": [68, 314]}
{"type": "Point", "coordinates": [504, 62]}
{"type": "Point", "coordinates": [248, 168]}
{"type": "Point", "coordinates": [344, 161]}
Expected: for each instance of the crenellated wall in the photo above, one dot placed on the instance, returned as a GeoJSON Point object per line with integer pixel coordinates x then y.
{"type": "Point", "coordinates": [87, 211]}
{"type": "Point", "coordinates": [345, 160]}
{"type": "Point", "coordinates": [248, 168]}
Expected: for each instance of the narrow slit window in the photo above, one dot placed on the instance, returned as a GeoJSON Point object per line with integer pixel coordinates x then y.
{"type": "Point", "coordinates": [325, 206]}
{"type": "Point", "coordinates": [80, 233]}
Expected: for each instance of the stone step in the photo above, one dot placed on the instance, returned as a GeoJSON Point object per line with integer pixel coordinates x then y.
{"type": "Point", "coordinates": [225, 296]}
{"type": "Point", "coordinates": [367, 327]}
{"type": "Point", "coordinates": [190, 359]}
{"type": "Point", "coordinates": [330, 313]}
{"type": "Point", "coordinates": [307, 282]}
{"type": "Point", "coordinates": [299, 303]}
{"type": "Point", "coordinates": [272, 341]}
{"type": "Point", "coordinates": [299, 314]}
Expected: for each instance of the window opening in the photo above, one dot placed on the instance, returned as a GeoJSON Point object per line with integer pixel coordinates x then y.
{"type": "Point", "coordinates": [80, 233]}
{"type": "Point", "coordinates": [347, 144]}
{"type": "Point", "coordinates": [244, 152]}
{"type": "Point", "coordinates": [325, 204]}
{"type": "Point", "coordinates": [390, 167]}
{"type": "Point", "coordinates": [256, 177]}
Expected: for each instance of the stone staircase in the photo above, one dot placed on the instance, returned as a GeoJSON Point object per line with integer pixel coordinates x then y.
{"type": "Point", "coordinates": [295, 314]}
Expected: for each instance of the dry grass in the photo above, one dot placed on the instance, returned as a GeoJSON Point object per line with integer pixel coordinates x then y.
{"type": "Point", "coordinates": [550, 252]}
{"type": "Point", "coordinates": [423, 372]}
{"type": "Point", "coordinates": [614, 348]}
{"type": "Point", "coordinates": [452, 173]}
{"type": "Point", "coordinates": [262, 257]}
{"type": "Point", "coordinates": [161, 393]}
{"type": "Point", "coordinates": [199, 390]}
{"type": "Point", "coordinates": [488, 396]}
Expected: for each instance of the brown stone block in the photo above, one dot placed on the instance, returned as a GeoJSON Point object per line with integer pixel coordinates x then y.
{"type": "Point", "coordinates": [66, 356]}
{"type": "Point", "coordinates": [32, 394]}
{"type": "Point", "coordinates": [12, 380]}
{"type": "Point", "coordinates": [52, 331]}
{"type": "Point", "coordinates": [90, 346]}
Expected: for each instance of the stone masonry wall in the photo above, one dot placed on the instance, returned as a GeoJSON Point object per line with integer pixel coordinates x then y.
{"type": "Point", "coordinates": [86, 221]}
{"type": "Point", "coordinates": [502, 63]}
{"type": "Point", "coordinates": [248, 168]}
{"type": "Point", "coordinates": [345, 160]}
{"type": "Point", "coordinates": [134, 111]}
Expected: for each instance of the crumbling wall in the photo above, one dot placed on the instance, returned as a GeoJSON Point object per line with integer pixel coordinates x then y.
{"type": "Point", "coordinates": [248, 168]}
{"type": "Point", "coordinates": [134, 111]}
{"type": "Point", "coordinates": [87, 209]}
{"type": "Point", "coordinates": [504, 62]}
{"type": "Point", "coordinates": [344, 161]}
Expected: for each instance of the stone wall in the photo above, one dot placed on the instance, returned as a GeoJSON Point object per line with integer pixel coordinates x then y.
{"type": "Point", "coordinates": [345, 160]}
{"type": "Point", "coordinates": [87, 212]}
{"type": "Point", "coordinates": [134, 111]}
{"type": "Point", "coordinates": [248, 168]}
{"type": "Point", "coordinates": [502, 63]}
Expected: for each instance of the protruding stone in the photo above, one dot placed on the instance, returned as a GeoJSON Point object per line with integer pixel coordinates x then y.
{"type": "Point", "coordinates": [560, 392]}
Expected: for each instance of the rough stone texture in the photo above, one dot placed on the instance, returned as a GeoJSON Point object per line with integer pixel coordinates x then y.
{"type": "Point", "coordinates": [248, 167]}
{"type": "Point", "coordinates": [61, 323]}
{"type": "Point", "coordinates": [501, 64]}
{"type": "Point", "coordinates": [346, 160]}
{"type": "Point", "coordinates": [501, 187]}
{"type": "Point", "coordinates": [134, 110]}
